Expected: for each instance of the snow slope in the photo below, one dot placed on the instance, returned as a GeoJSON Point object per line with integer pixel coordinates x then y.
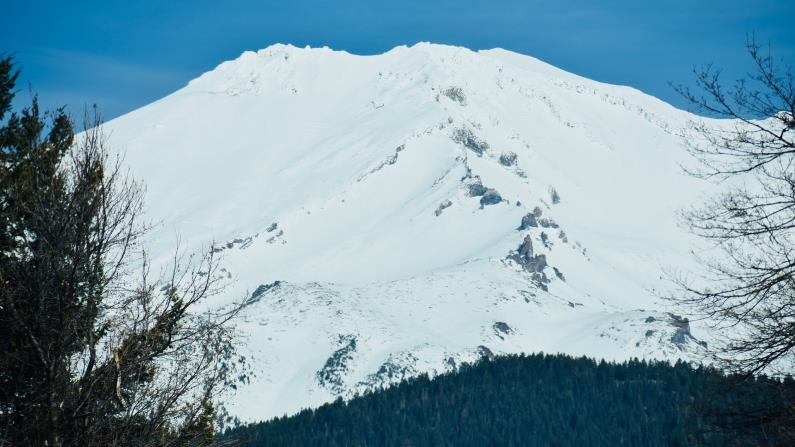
{"type": "Point", "coordinates": [382, 194]}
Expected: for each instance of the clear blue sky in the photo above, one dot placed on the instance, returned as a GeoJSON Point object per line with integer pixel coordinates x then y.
{"type": "Point", "coordinates": [123, 55]}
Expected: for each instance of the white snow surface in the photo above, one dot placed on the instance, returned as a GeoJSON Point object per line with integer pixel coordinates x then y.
{"type": "Point", "coordinates": [352, 157]}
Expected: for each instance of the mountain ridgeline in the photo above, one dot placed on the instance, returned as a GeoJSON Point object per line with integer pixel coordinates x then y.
{"type": "Point", "coordinates": [399, 214]}
{"type": "Point", "coordinates": [542, 400]}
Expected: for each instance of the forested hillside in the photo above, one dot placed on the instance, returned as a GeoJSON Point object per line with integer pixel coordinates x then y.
{"type": "Point", "coordinates": [540, 400]}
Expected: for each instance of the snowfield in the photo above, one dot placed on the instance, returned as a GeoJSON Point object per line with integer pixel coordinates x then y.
{"type": "Point", "coordinates": [402, 213]}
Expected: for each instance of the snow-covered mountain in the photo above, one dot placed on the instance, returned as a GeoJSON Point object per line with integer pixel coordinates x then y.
{"type": "Point", "coordinates": [402, 213]}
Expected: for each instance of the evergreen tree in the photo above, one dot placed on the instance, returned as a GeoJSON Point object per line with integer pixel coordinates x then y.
{"type": "Point", "coordinates": [88, 357]}
{"type": "Point", "coordinates": [536, 400]}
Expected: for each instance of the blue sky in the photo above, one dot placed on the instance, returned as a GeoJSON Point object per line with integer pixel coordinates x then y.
{"type": "Point", "coordinates": [125, 54]}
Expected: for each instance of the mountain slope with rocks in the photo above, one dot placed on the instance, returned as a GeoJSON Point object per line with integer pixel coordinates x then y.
{"type": "Point", "coordinates": [402, 213]}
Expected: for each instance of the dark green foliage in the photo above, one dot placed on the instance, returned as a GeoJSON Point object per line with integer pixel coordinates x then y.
{"type": "Point", "coordinates": [91, 356]}
{"type": "Point", "coordinates": [8, 78]}
{"type": "Point", "coordinates": [536, 400]}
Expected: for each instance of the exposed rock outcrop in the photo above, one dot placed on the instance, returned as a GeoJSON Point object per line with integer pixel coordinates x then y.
{"type": "Point", "coordinates": [545, 240]}
{"type": "Point", "coordinates": [485, 353]}
{"type": "Point", "coordinates": [490, 197]}
{"type": "Point", "coordinates": [508, 159]}
{"type": "Point", "coordinates": [442, 206]}
{"type": "Point", "coordinates": [456, 94]}
{"type": "Point", "coordinates": [398, 367]}
{"type": "Point", "coordinates": [332, 373]}
{"type": "Point", "coordinates": [682, 333]}
{"type": "Point", "coordinates": [262, 289]}
{"type": "Point", "coordinates": [477, 189]}
{"type": "Point", "coordinates": [546, 222]}
{"type": "Point", "coordinates": [525, 257]}
{"type": "Point", "coordinates": [466, 138]}
{"type": "Point", "coordinates": [528, 221]}
{"type": "Point", "coordinates": [553, 195]}
{"type": "Point", "coordinates": [501, 329]}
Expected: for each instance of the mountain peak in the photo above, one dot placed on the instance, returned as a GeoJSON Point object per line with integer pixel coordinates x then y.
{"type": "Point", "coordinates": [397, 214]}
{"type": "Point", "coordinates": [254, 71]}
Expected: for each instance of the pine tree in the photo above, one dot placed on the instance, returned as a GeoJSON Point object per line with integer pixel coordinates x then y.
{"type": "Point", "coordinates": [88, 357]}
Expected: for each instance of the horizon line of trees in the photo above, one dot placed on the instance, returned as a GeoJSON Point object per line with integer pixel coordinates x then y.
{"type": "Point", "coordinates": [543, 400]}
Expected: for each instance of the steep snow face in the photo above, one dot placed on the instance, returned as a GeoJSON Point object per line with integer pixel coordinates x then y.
{"type": "Point", "coordinates": [402, 213]}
